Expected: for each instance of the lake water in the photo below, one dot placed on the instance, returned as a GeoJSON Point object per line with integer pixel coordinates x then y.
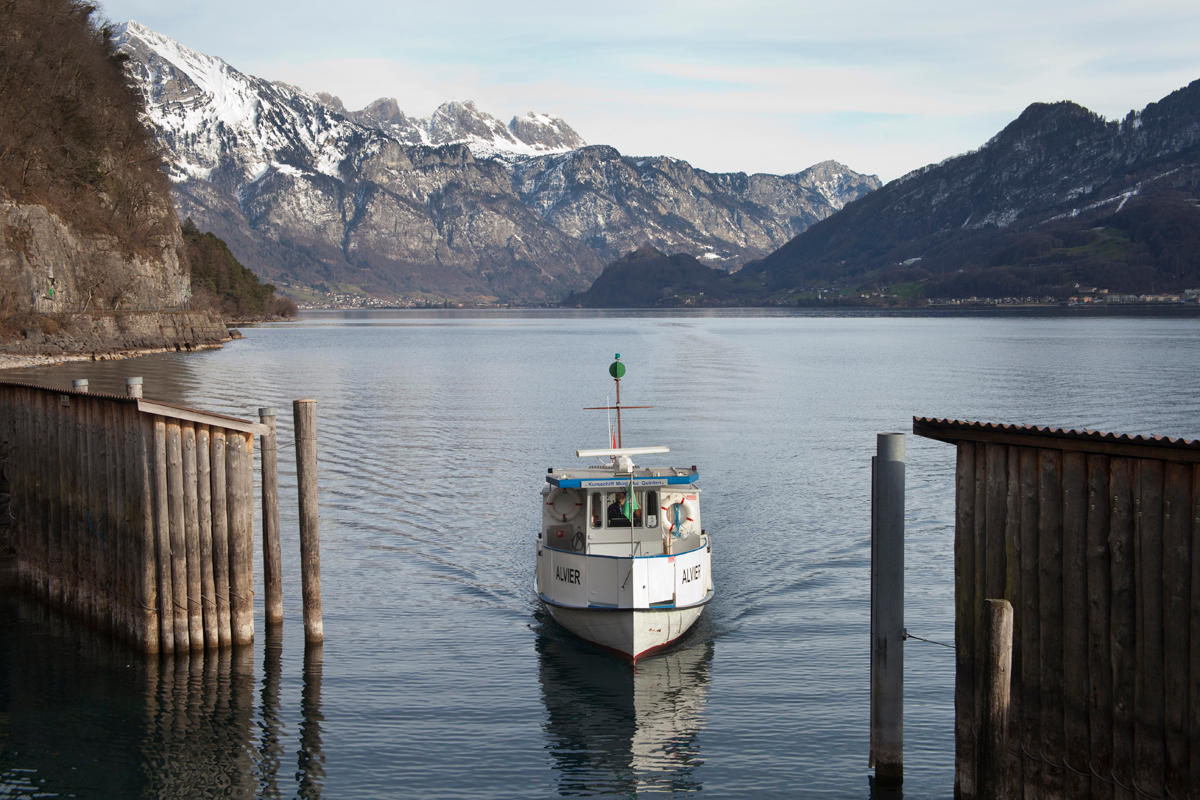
{"type": "Point", "coordinates": [441, 678]}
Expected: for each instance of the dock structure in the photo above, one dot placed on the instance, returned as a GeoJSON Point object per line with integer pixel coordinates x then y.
{"type": "Point", "coordinates": [1094, 541]}
{"type": "Point", "coordinates": [135, 515]}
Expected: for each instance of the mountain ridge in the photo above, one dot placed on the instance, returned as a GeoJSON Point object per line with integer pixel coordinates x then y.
{"type": "Point", "coordinates": [1038, 185]}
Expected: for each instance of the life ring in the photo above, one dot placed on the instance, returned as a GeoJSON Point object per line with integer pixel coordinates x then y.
{"type": "Point", "coordinates": [564, 505]}
{"type": "Point", "coordinates": [679, 517]}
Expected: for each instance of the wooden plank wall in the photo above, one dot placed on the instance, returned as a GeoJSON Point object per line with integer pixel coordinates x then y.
{"type": "Point", "coordinates": [1099, 555]}
{"type": "Point", "coordinates": [139, 522]}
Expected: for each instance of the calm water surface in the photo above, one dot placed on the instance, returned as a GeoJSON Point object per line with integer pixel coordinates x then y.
{"type": "Point", "coordinates": [441, 678]}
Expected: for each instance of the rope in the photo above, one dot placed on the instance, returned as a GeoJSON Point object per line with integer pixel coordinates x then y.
{"type": "Point", "coordinates": [1111, 779]}
{"type": "Point", "coordinates": [908, 635]}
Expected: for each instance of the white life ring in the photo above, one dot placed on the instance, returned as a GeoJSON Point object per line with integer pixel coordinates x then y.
{"type": "Point", "coordinates": [688, 515]}
{"type": "Point", "coordinates": [564, 505]}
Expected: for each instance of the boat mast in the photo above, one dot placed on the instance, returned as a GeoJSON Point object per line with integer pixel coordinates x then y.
{"type": "Point", "coordinates": [617, 371]}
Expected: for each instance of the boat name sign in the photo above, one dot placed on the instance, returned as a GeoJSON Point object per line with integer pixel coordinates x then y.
{"type": "Point", "coordinates": [619, 483]}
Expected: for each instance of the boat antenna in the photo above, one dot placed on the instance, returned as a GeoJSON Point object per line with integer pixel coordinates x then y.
{"type": "Point", "coordinates": [617, 371]}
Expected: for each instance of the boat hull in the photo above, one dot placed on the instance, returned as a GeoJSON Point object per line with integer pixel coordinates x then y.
{"type": "Point", "coordinates": [633, 633]}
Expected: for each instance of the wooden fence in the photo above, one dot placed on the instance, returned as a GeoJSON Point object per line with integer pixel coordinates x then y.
{"type": "Point", "coordinates": [1095, 541]}
{"type": "Point", "coordinates": [133, 514]}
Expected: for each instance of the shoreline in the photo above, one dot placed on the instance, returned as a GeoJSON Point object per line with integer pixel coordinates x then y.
{"type": "Point", "coordinates": [11, 361]}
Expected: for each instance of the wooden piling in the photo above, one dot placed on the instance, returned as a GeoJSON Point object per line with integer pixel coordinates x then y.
{"type": "Point", "coordinates": [1099, 709]}
{"type": "Point", "coordinates": [1177, 573]}
{"type": "Point", "coordinates": [162, 537]}
{"type": "Point", "coordinates": [240, 484]}
{"type": "Point", "coordinates": [1193, 656]}
{"type": "Point", "coordinates": [993, 722]}
{"type": "Point", "coordinates": [179, 572]}
{"type": "Point", "coordinates": [1122, 615]}
{"type": "Point", "coordinates": [220, 534]}
{"type": "Point", "coordinates": [1149, 745]}
{"type": "Point", "coordinates": [304, 413]}
{"type": "Point", "coordinates": [208, 589]}
{"type": "Point", "coordinates": [1077, 780]}
{"type": "Point", "coordinates": [142, 440]}
{"type": "Point", "coordinates": [191, 529]}
{"type": "Point", "coordinates": [272, 553]}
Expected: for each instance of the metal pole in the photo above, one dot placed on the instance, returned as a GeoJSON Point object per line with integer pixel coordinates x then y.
{"type": "Point", "coordinates": [619, 442]}
{"type": "Point", "coordinates": [305, 415]}
{"type": "Point", "coordinates": [272, 569]}
{"type": "Point", "coordinates": [887, 610]}
{"type": "Point", "coordinates": [80, 384]}
{"type": "Point", "coordinates": [133, 387]}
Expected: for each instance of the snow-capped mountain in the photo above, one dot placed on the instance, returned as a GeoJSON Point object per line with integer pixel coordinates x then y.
{"type": "Point", "coordinates": [457, 205]}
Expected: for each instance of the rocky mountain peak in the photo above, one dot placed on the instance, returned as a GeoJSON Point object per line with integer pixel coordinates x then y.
{"type": "Point", "coordinates": [458, 121]}
{"type": "Point", "coordinates": [545, 132]}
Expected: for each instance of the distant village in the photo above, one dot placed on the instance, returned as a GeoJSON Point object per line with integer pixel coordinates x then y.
{"type": "Point", "coordinates": [1082, 297]}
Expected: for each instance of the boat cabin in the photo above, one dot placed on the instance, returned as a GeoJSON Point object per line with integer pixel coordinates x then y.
{"type": "Point", "coordinates": [590, 510]}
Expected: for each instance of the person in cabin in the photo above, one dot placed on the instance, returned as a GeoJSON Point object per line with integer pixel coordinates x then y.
{"type": "Point", "coordinates": [616, 512]}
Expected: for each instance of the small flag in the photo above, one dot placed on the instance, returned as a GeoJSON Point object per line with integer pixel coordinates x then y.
{"type": "Point", "coordinates": [631, 503]}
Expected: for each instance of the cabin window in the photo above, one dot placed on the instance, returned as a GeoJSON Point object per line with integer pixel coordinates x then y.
{"type": "Point", "coordinates": [597, 509]}
{"type": "Point", "coordinates": [650, 509]}
{"type": "Point", "coordinates": [616, 510]}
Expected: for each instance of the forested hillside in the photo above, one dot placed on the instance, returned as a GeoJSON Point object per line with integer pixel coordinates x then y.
{"type": "Point", "coordinates": [221, 282]}
{"type": "Point", "coordinates": [70, 139]}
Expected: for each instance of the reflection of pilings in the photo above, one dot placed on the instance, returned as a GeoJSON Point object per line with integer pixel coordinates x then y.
{"type": "Point", "coordinates": [200, 725]}
{"type": "Point", "coordinates": [310, 760]}
{"type": "Point", "coordinates": [270, 749]}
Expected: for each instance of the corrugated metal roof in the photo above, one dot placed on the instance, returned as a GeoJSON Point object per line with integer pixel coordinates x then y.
{"type": "Point", "coordinates": [1133, 445]}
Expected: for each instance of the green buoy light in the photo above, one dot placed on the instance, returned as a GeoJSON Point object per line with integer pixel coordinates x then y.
{"type": "Point", "coordinates": [617, 369]}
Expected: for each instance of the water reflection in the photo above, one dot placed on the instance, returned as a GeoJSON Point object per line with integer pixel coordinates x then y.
{"type": "Point", "coordinates": [83, 715]}
{"type": "Point", "coordinates": [617, 728]}
{"type": "Point", "coordinates": [310, 772]}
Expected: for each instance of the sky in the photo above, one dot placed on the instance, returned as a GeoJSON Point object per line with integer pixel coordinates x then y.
{"type": "Point", "coordinates": [735, 86]}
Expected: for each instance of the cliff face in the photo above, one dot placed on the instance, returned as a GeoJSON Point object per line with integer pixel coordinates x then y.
{"type": "Point", "coordinates": [49, 267]}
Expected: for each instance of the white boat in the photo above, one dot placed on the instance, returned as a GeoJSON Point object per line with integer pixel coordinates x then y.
{"type": "Point", "coordinates": [622, 558]}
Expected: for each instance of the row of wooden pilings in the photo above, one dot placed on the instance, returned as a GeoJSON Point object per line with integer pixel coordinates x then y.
{"type": "Point", "coordinates": [139, 516]}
